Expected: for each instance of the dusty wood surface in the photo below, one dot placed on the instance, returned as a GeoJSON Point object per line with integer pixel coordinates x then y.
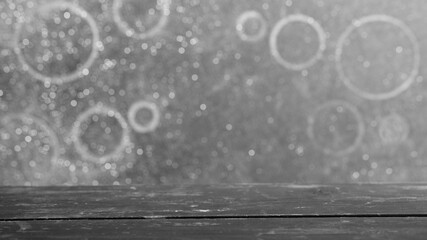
{"type": "Point", "coordinates": [252, 211]}
{"type": "Point", "coordinates": [219, 201]}
{"type": "Point", "coordinates": [263, 228]}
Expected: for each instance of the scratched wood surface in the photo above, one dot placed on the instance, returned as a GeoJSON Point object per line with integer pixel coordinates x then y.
{"type": "Point", "coordinates": [263, 228]}
{"type": "Point", "coordinates": [248, 211]}
{"type": "Point", "coordinates": [220, 200]}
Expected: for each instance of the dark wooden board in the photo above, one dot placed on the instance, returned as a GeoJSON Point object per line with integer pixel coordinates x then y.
{"type": "Point", "coordinates": [263, 228]}
{"type": "Point", "coordinates": [212, 201]}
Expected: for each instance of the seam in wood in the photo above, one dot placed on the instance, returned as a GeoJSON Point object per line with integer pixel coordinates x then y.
{"type": "Point", "coordinates": [222, 217]}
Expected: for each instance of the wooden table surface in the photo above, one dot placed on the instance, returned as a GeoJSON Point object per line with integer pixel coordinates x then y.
{"type": "Point", "coordinates": [246, 211]}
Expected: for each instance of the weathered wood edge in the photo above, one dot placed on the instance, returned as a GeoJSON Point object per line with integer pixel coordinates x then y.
{"type": "Point", "coordinates": [284, 200]}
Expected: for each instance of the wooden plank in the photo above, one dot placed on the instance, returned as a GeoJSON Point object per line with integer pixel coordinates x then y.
{"type": "Point", "coordinates": [276, 228]}
{"type": "Point", "coordinates": [219, 201]}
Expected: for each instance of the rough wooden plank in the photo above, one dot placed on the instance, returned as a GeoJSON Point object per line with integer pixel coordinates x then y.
{"type": "Point", "coordinates": [219, 200]}
{"type": "Point", "coordinates": [276, 228]}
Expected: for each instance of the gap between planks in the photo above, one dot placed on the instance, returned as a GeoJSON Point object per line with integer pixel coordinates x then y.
{"type": "Point", "coordinates": [222, 217]}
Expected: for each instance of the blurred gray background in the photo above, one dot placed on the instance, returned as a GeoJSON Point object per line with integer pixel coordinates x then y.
{"type": "Point", "coordinates": [212, 91]}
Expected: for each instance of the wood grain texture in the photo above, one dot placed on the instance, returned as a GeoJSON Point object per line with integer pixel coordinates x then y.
{"type": "Point", "coordinates": [263, 228]}
{"type": "Point", "coordinates": [245, 200]}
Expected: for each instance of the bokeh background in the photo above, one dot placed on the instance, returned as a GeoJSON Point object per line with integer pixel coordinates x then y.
{"type": "Point", "coordinates": [212, 91]}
